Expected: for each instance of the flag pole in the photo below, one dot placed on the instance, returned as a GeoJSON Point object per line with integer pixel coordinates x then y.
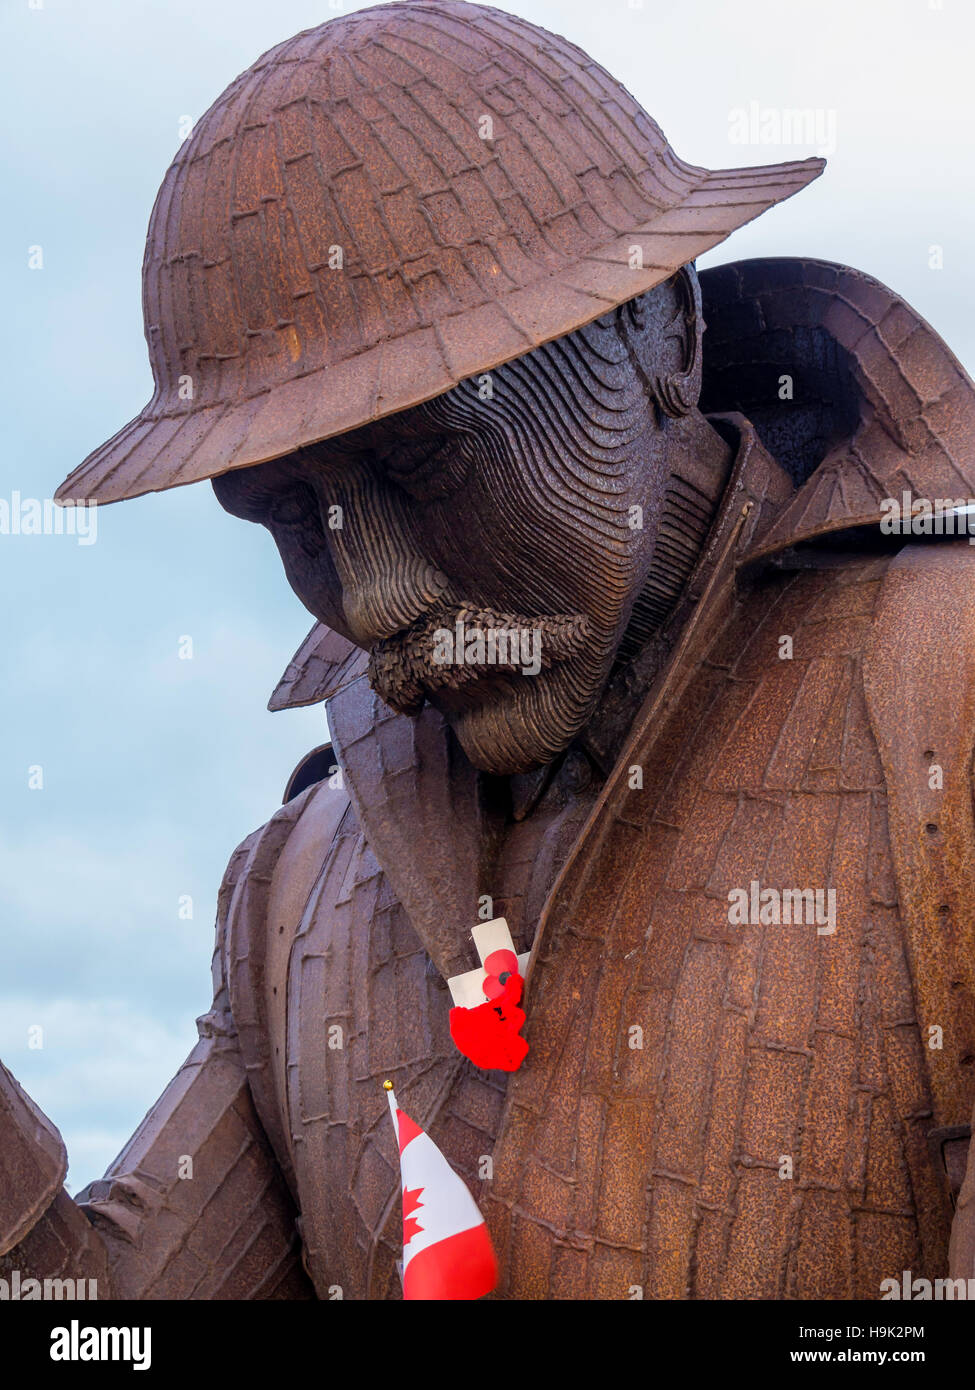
{"type": "Point", "coordinates": [391, 1097]}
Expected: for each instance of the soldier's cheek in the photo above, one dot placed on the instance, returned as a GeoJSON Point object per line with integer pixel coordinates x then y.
{"type": "Point", "coordinates": [315, 581]}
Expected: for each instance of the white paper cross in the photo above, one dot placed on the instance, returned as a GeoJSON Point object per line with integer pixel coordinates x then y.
{"type": "Point", "coordinates": [467, 990]}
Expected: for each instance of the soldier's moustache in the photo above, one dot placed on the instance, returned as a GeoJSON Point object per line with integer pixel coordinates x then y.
{"type": "Point", "coordinates": [455, 648]}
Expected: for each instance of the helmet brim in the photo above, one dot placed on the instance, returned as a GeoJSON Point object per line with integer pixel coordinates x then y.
{"type": "Point", "coordinates": [162, 448]}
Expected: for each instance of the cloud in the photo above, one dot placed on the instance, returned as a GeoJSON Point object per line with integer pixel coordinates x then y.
{"type": "Point", "coordinates": [101, 1065]}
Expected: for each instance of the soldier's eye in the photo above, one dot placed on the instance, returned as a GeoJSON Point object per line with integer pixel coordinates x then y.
{"type": "Point", "coordinates": [428, 469]}
{"type": "Point", "coordinates": [291, 508]}
{"type": "Point", "coordinates": [409, 456]}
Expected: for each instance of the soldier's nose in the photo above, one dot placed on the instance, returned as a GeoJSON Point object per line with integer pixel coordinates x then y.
{"type": "Point", "coordinates": [386, 582]}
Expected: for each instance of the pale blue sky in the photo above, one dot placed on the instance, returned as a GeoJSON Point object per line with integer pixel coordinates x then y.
{"type": "Point", "coordinates": [155, 768]}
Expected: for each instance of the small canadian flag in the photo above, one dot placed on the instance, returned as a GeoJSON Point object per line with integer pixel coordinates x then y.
{"type": "Point", "coordinates": [447, 1252]}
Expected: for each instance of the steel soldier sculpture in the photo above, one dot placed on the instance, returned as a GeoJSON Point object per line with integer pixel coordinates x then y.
{"type": "Point", "coordinates": [420, 299]}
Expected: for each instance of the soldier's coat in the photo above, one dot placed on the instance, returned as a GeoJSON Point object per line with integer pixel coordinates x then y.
{"type": "Point", "coordinates": [776, 1118]}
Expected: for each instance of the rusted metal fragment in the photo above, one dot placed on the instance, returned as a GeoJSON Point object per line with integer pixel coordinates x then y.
{"type": "Point", "coordinates": [33, 1162]}
{"type": "Point", "coordinates": [919, 677]}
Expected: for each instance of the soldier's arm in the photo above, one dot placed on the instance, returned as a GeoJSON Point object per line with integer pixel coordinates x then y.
{"type": "Point", "coordinates": [43, 1234]}
{"type": "Point", "coordinates": [195, 1205]}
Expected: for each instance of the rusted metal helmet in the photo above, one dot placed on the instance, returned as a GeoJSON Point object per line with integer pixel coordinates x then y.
{"type": "Point", "coordinates": [380, 207]}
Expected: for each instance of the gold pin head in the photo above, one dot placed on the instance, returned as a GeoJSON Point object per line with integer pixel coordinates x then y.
{"type": "Point", "coordinates": [387, 1085]}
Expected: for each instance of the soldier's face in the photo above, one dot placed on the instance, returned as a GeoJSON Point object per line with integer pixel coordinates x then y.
{"type": "Point", "coordinates": [482, 547]}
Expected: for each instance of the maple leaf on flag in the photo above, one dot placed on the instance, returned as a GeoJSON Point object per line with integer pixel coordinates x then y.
{"type": "Point", "coordinates": [411, 1202]}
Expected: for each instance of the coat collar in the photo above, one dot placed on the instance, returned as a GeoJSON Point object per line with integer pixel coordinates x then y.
{"type": "Point", "coordinates": [876, 404]}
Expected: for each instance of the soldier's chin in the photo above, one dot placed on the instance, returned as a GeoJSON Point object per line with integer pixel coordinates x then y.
{"type": "Point", "coordinates": [523, 723]}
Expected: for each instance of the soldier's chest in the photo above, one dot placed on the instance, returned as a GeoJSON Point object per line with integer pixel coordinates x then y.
{"type": "Point", "coordinates": [351, 998]}
{"type": "Point", "coordinates": [727, 1095]}
{"type": "Point", "coordinates": [713, 1105]}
